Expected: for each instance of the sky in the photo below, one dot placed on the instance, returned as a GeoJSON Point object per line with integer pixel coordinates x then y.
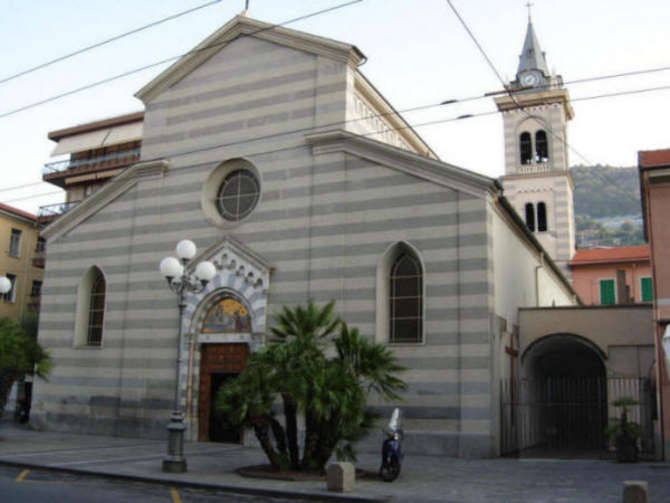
{"type": "Point", "coordinates": [418, 54]}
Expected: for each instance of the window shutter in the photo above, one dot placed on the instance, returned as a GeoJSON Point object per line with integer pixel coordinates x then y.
{"type": "Point", "coordinates": [607, 292]}
{"type": "Point", "coordinates": [647, 290]}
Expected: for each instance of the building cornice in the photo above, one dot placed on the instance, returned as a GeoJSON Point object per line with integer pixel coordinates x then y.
{"type": "Point", "coordinates": [528, 99]}
{"type": "Point", "coordinates": [431, 170]}
{"type": "Point", "coordinates": [545, 174]}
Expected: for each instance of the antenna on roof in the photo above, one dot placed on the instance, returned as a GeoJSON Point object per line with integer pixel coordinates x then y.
{"type": "Point", "coordinates": [246, 8]}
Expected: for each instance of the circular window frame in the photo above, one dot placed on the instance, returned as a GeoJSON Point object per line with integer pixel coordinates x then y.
{"type": "Point", "coordinates": [213, 184]}
{"type": "Point", "coordinates": [244, 203]}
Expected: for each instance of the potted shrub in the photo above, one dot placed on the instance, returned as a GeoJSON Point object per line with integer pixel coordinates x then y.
{"type": "Point", "coordinates": [624, 433]}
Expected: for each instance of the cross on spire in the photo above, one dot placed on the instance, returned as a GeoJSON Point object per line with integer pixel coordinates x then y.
{"type": "Point", "coordinates": [528, 4]}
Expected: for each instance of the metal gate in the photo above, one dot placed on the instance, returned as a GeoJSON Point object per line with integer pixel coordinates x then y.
{"type": "Point", "coordinates": [570, 413]}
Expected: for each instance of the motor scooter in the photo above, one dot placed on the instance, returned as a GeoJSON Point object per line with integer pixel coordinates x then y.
{"type": "Point", "coordinates": [21, 413]}
{"type": "Point", "coordinates": [392, 454]}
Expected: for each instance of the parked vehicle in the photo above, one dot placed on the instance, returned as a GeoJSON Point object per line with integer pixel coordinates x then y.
{"type": "Point", "coordinates": [392, 454]}
{"type": "Point", "coordinates": [22, 411]}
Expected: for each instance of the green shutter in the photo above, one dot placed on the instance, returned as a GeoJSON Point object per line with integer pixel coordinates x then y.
{"type": "Point", "coordinates": [607, 291]}
{"type": "Point", "coordinates": [647, 291]}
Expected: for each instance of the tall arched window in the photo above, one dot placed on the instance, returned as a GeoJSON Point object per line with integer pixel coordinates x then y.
{"type": "Point", "coordinates": [541, 217]}
{"type": "Point", "coordinates": [530, 217]}
{"type": "Point", "coordinates": [90, 313]}
{"type": "Point", "coordinates": [525, 148]}
{"type": "Point", "coordinates": [541, 146]}
{"type": "Point", "coordinates": [406, 310]}
{"type": "Point", "coordinates": [96, 310]}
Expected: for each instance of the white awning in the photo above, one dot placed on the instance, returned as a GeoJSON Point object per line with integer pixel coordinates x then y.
{"type": "Point", "coordinates": [97, 139]}
{"type": "Point", "coordinates": [80, 142]}
{"type": "Point", "coordinates": [124, 134]}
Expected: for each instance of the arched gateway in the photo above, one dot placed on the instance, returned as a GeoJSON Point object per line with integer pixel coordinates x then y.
{"type": "Point", "coordinates": [222, 325]}
{"type": "Point", "coordinates": [567, 385]}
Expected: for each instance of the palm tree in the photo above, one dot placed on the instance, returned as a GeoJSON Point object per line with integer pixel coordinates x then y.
{"type": "Point", "coordinates": [330, 392]}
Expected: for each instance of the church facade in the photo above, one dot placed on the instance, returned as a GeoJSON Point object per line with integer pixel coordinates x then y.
{"type": "Point", "coordinates": [273, 153]}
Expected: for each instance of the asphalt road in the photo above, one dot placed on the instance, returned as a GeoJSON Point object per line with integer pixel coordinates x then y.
{"type": "Point", "coordinates": [34, 486]}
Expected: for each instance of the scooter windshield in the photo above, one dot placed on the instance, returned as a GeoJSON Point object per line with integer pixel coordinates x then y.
{"type": "Point", "coordinates": [394, 423]}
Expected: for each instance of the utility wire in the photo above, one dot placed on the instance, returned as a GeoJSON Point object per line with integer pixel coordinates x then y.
{"type": "Point", "coordinates": [22, 186]}
{"type": "Point", "coordinates": [105, 42]}
{"type": "Point", "coordinates": [367, 117]}
{"type": "Point", "coordinates": [583, 80]}
{"type": "Point", "coordinates": [502, 81]}
{"type": "Point", "coordinates": [172, 58]}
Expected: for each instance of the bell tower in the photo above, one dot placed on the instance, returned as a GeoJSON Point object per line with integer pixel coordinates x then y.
{"type": "Point", "coordinates": [537, 179]}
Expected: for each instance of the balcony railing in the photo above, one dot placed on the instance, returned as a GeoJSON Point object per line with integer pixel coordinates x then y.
{"type": "Point", "coordinates": [51, 211]}
{"type": "Point", "coordinates": [114, 159]}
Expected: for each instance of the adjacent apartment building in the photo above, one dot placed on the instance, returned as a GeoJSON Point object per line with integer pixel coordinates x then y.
{"type": "Point", "coordinates": [606, 276]}
{"type": "Point", "coordinates": [21, 261]}
{"type": "Point", "coordinates": [654, 169]}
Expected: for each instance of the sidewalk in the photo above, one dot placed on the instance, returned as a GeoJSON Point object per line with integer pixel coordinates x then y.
{"type": "Point", "coordinates": [423, 479]}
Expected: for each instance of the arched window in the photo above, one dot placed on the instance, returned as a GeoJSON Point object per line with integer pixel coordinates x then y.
{"type": "Point", "coordinates": [90, 314]}
{"type": "Point", "coordinates": [530, 217]}
{"type": "Point", "coordinates": [525, 148]}
{"type": "Point", "coordinates": [406, 299]}
{"type": "Point", "coordinates": [96, 310]}
{"type": "Point", "coordinates": [541, 146]}
{"type": "Point", "coordinates": [541, 217]}
{"type": "Point", "coordinates": [399, 313]}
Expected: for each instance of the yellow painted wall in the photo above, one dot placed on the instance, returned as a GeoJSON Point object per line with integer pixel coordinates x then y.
{"type": "Point", "coordinates": [21, 266]}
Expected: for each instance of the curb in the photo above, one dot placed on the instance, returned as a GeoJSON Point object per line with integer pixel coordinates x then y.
{"type": "Point", "coordinates": [253, 491]}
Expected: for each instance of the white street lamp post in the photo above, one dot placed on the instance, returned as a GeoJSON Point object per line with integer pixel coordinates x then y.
{"type": "Point", "coordinates": [180, 281]}
{"type": "Point", "coordinates": [5, 285]}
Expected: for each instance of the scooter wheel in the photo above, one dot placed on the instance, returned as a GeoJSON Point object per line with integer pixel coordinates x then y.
{"type": "Point", "coordinates": [390, 471]}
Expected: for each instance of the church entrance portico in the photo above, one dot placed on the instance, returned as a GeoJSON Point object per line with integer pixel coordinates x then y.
{"type": "Point", "coordinates": [222, 326]}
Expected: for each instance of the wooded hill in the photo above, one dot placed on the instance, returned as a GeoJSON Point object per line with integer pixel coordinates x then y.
{"type": "Point", "coordinates": [606, 192]}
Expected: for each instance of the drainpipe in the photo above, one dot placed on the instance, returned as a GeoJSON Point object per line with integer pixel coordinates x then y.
{"type": "Point", "coordinates": [537, 279]}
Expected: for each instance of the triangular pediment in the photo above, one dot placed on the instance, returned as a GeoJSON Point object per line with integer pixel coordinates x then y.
{"type": "Point", "coordinates": [242, 26]}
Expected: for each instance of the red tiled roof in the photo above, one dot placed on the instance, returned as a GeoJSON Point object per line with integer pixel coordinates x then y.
{"type": "Point", "coordinates": [649, 158]}
{"type": "Point", "coordinates": [611, 255]}
{"type": "Point", "coordinates": [17, 211]}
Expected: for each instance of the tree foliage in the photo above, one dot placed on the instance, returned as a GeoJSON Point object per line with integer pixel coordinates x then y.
{"type": "Point", "coordinates": [20, 354]}
{"type": "Point", "coordinates": [317, 368]}
{"type": "Point", "coordinates": [606, 191]}
{"type": "Point", "coordinates": [607, 195]}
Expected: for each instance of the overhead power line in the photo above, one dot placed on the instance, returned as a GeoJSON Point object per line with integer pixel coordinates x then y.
{"type": "Point", "coordinates": [502, 81]}
{"type": "Point", "coordinates": [372, 133]}
{"type": "Point", "coordinates": [171, 58]}
{"type": "Point", "coordinates": [105, 42]}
